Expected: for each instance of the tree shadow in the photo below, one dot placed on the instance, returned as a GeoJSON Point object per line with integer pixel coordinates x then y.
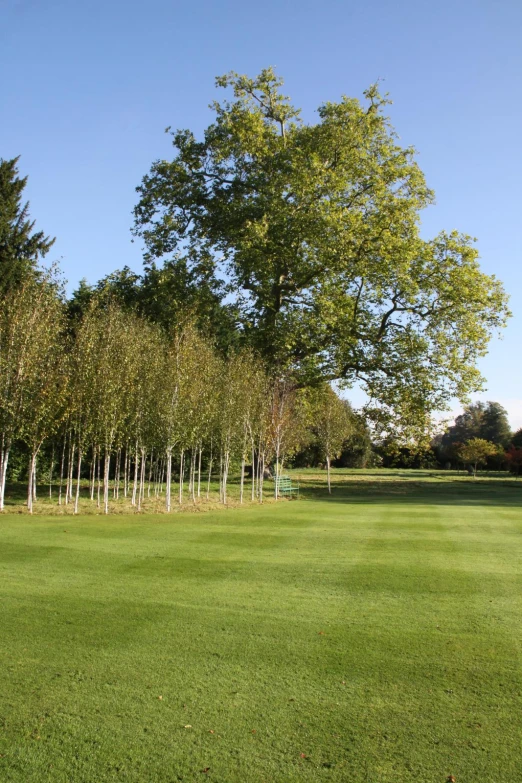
{"type": "Point", "coordinates": [448, 492]}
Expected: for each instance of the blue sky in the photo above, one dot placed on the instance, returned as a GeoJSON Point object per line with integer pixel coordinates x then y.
{"type": "Point", "coordinates": [88, 88]}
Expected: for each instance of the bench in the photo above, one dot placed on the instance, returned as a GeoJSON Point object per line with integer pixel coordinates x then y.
{"type": "Point", "coordinates": [283, 486]}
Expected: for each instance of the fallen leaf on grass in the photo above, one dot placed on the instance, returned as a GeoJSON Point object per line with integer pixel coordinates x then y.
{"type": "Point", "coordinates": [304, 756]}
{"type": "Point", "coordinates": [210, 731]}
{"type": "Point", "coordinates": [160, 697]}
{"type": "Point", "coordinates": [188, 726]}
{"type": "Point", "coordinates": [206, 770]}
{"type": "Point", "coordinates": [321, 633]}
{"type": "Point", "coordinates": [450, 779]}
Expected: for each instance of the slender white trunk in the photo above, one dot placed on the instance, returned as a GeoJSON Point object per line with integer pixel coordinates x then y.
{"type": "Point", "coordinates": [116, 488]}
{"type": "Point", "coordinates": [193, 473]}
{"type": "Point", "coordinates": [209, 471]}
{"type": "Point", "coordinates": [181, 471]}
{"type": "Point", "coordinates": [30, 491]}
{"type": "Point", "coordinates": [277, 473]}
{"type": "Point", "coordinates": [143, 471]}
{"type": "Point", "coordinates": [150, 471]}
{"type": "Point", "coordinates": [135, 484]}
{"type": "Point", "coordinates": [125, 472]}
{"type": "Point", "coordinates": [34, 480]}
{"type": "Point", "coordinates": [78, 474]}
{"type": "Point", "coordinates": [261, 477]}
{"type": "Point", "coordinates": [4, 459]}
{"type": "Point", "coordinates": [93, 473]}
{"type": "Point", "coordinates": [199, 472]}
{"type": "Point", "coordinates": [253, 494]}
{"type": "Point", "coordinates": [141, 489]}
{"type": "Point", "coordinates": [226, 464]}
{"type": "Point", "coordinates": [69, 482]}
{"type": "Point", "coordinates": [242, 478]}
{"type": "Point", "coordinates": [169, 479]}
{"type": "Point", "coordinates": [61, 471]}
{"type": "Point", "coordinates": [98, 465]}
{"type": "Point", "coordinates": [190, 476]}
{"type": "Point", "coordinates": [221, 475]}
{"type": "Point", "coordinates": [51, 474]}
{"type": "Point", "coordinates": [328, 471]}
{"type": "Point", "coordinates": [106, 470]}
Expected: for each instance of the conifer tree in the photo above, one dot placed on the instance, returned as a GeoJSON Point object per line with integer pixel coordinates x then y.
{"type": "Point", "coordinates": [20, 246]}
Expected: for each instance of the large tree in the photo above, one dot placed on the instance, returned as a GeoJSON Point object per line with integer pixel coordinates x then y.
{"type": "Point", "coordinates": [485, 420]}
{"type": "Point", "coordinates": [20, 246]}
{"type": "Point", "coordinates": [316, 226]}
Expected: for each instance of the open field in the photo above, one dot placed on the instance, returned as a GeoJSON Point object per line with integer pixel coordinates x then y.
{"type": "Point", "coordinates": [373, 637]}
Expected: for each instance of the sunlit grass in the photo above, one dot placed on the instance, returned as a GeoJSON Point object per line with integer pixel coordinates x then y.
{"type": "Point", "coordinates": [371, 636]}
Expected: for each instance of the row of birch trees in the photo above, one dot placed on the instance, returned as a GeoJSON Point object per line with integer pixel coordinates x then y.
{"type": "Point", "coordinates": [127, 411]}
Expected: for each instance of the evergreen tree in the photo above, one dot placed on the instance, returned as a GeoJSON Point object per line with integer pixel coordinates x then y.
{"type": "Point", "coordinates": [20, 247]}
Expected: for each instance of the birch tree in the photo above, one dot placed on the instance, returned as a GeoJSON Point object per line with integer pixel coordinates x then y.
{"type": "Point", "coordinates": [331, 423]}
{"type": "Point", "coordinates": [30, 323]}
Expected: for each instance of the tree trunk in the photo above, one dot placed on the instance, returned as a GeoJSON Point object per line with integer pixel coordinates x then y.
{"type": "Point", "coordinates": [199, 472]}
{"type": "Point", "coordinates": [181, 470]}
{"type": "Point", "coordinates": [261, 476]}
{"type": "Point", "coordinates": [226, 464]}
{"type": "Point", "coordinates": [98, 465]}
{"type": "Point", "coordinates": [277, 473]}
{"type": "Point", "coordinates": [32, 461]}
{"type": "Point", "coordinates": [70, 466]}
{"type": "Point", "coordinates": [51, 474]}
{"type": "Point", "coordinates": [150, 471]}
{"type": "Point", "coordinates": [169, 479]}
{"type": "Point", "coordinates": [141, 490]}
{"type": "Point", "coordinates": [221, 475]}
{"type": "Point", "coordinates": [106, 470]}
{"type": "Point", "coordinates": [136, 468]}
{"type": "Point", "coordinates": [61, 470]}
{"type": "Point", "coordinates": [116, 488]}
{"type": "Point", "coordinates": [328, 472]}
{"type": "Point", "coordinates": [92, 476]}
{"type": "Point", "coordinates": [78, 474]}
{"type": "Point", "coordinates": [253, 495]}
{"type": "Point", "coordinates": [193, 471]}
{"type": "Point", "coordinates": [4, 459]}
{"type": "Point", "coordinates": [125, 472]}
{"type": "Point", "coordinates": [209, 471]}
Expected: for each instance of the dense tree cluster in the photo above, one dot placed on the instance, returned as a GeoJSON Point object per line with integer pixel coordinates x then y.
{"type": "Point", "coordinates": [119, 393]}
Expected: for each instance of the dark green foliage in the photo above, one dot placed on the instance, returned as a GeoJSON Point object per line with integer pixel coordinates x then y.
{"type": "Point", "coordinates": [20, 246]}
{"type": "Point", "coordinates": [484, 420]}
{"type": "Point", "coordinates": [168, 294]}
{"type": "Point", "coordinates": [516, 440]}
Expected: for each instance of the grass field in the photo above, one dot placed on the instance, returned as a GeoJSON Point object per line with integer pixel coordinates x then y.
{"type": "Point", "coordinates": [372, 636]}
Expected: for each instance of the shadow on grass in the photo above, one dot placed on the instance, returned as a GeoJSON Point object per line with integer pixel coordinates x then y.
{"type": "Point", "coordinates": [394, 487]}
{"type": "Point", "coordinates": [449, 492]}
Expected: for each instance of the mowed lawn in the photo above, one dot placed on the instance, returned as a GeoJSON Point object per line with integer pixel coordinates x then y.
{"type": "Point", "coordinates": [374, 636]}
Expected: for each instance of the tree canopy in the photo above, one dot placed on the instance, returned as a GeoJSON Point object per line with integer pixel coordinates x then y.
{"type": "Point", "coordinates": [485, 420]}
{"type": "Point", "coordinates": [20, 246]}
{"type": "Point", "coordinates": [315, 228]}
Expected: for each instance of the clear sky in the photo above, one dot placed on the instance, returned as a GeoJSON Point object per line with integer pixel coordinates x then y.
{"type": "Point", "coordinates": [88, 88]}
